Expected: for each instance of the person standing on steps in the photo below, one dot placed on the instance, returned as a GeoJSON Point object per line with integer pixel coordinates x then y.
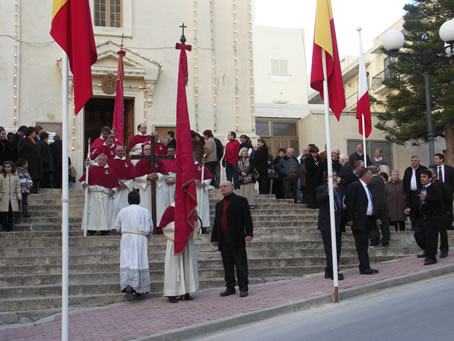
{"type": "Point", "coordinates": [428, 218]}
{"type": "Point", "coordinates": [135, 224]}
{"type": "Point", "coordinates": [231, 158]}
{"type": "Point", "coordinates": [181, 272]}
{"type": "Point", "coordinates": [324, 224]}
{"type": "Point", "coordinates": [361, 218]}
{"type": "Point", "coordinates": [10, 194]}
{"type": "Point", "coordinates": [232, 229]}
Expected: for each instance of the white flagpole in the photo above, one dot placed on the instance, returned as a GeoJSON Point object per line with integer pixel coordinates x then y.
{"type": "Point", "coordinates": [364, 141]}
{"type": "Point", "coordinates": [361, 67]}
{"type": "Point", "coordinates": [65, 202]}
{"type": "Point", "coordinates": [335, 295]}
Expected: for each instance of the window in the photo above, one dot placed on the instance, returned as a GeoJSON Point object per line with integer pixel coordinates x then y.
{"type": "Point", "coordinates": [279, 67]}
{"type": "Point", "coordinates": [262, 129]}
{"type": "Point", "coordinates": [284, 129]}
{"type": "Point", "coordinates": [371, 145]}
{"type": "Point", "coordinates": [108, 13]}
{"type": "Point", "coordinates": [388, 72]}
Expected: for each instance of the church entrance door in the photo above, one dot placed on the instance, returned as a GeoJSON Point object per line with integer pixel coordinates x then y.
{"type": "Point", "coordinates": [99, 113]}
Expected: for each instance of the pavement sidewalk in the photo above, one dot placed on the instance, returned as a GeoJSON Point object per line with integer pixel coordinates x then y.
{"type": "Point", "coordinates": [157, 319]}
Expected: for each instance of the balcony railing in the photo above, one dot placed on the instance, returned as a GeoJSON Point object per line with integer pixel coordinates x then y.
{"type": "Point", "coordinates": [377, 80]}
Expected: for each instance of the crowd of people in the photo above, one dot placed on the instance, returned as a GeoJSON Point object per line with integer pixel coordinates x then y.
{"type": "Point", "coordinates": [368, 196]}
{"type": "Point", "coordinates": [26, 159]}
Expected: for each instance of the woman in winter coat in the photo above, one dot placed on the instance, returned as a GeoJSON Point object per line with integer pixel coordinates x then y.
{"type": "Point", "coordinates": [10, 193]}
{"type": "Point", "coordinates": [261, 164]}
{"type": "Point", "coordinates": [396, 201]}
{"type": "Point", "coordinates": [313, 176]}
{"type": "Point", "coordinates": [245, 170]}
{"type": "Point", "coordinates": [30, 151]}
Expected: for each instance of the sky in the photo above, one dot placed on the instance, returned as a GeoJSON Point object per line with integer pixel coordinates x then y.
{"type": "Point", "coordinates": [373, 16]}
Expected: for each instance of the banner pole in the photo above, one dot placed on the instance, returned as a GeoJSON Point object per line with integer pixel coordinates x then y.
{"type": "Point", "coordinates": [335, 295]}
{"type": "Point", "coordinates": [364, 141]}
{"type": "Point", "coordinates": [65, 201]}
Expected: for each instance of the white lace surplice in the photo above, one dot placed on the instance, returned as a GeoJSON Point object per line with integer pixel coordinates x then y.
{"type": "Point", "coordinates": [135, 223]}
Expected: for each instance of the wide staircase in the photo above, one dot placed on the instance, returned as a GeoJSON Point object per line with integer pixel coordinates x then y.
{"type": "Point", "coordinates": [286, 245]}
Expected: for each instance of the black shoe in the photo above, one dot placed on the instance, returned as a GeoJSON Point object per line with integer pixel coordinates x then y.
{"type": "Point", "coordinates": [204, 230]}
{"type": "Point", "coordinates": [443, 254]}
{"type": "Point", "coordinates": [421, 254]}
{"type": "Point", "coordinates": [172, 299]}
{"type": "Point", "coordinates": [327, 275]}
{"type": "Point", "coordinates": [27, 216]}
{"type": "Point", "coordinates": [374, 244]}
{"type": "Point", "coordinates": [129, 293]}
{"type": "Point", "coordinates": [368, 272]}
{"type": "Point", "coordinates": [227, 292]}
{"type": "Point", "coordinates": [429, 261]}
{"type": "Point", "coordinates": [385, 244]}
{"type": "Point", "coordinates": [188, 297]}
{"type": "Point", "coordinates": [105, 233]}
{"type": "Point", "coordinates": [243, 293]}
{"type": "Point", "coordinates": [91, 233]}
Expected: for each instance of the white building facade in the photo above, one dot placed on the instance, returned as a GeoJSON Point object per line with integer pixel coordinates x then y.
{"type": "Point", "coordinates": [221, 67]}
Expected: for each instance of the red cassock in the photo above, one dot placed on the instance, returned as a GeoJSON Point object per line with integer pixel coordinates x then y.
{"type": "Point", "coordinates": [168, 217]}
{"type": "Point", "coordinates": [170, 165]}
{"type": "Point", "coordinates": [103, 149]}
{"type": "Point", "coordinates": [160, 149]}
{"type": "Point", "coordinates": [99, 142]}
{"type": "Point", "coordinates": [122, 168]}
{"type": "Point", "coordinates": [143, 167]}
{"type": "Point", "coordinates": [198, 172]}
{"type": "Point", "coordinates": [101, 176]}
{"type": "Point", "coordinates": [138, 139]}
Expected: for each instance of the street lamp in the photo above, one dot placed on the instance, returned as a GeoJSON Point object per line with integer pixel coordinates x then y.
{"type": "Point", "coordinates": [393, 40]}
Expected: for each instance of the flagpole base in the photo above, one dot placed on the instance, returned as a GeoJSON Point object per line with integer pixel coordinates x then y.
{"type": "Point", "coordinates": [335, 295]}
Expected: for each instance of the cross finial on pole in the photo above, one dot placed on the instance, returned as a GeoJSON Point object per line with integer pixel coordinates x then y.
{"type": "Point", "coordinates": [122, 37]}
{"type": "Point", "coordinates": [183, 38]}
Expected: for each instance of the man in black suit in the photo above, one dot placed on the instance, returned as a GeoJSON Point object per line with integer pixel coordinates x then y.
{"type": "Point", "coordinates": [324, 224]}
{"type": "Point", "coordinates": [428, 217]}
{"type": "Point", "coordinates": [232, 229]}
{"type": "Point", "coordinates": [445, 174]}
{"type": "Point", "coordinates": [353, 175]}
{"type": "Point", "coordinates": [361, 218]}
{"type": "Point", "coordinates": [358, 155]}
{"type": "Point", "coordinates": [412, 185]}
{"type": "Point", "coordinates": [378, 190]}
{"type": "Point", "coordinates": [446, 204]}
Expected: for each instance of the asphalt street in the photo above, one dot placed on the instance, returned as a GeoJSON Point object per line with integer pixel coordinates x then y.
{"type": "Point", "coordinates": [420, 311]}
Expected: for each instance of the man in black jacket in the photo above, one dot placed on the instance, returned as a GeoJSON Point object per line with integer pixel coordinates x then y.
{"type": "Point", "coordinates": [428, 216]}
{"type": "Point", "coordinates": [412, 185]}
{"type": "Point", "coordinates": [446, 205]}
{"type": "Point", "coordinates": [378, 190]}
{"type": "Point", "coordinates": [324, 224]}
{"type": "Point", "coordinates": [232, 229]}
{"type": "Point", "coordinates": [445, 174]}
{"type": "Point", "coordinates": [361, 218]}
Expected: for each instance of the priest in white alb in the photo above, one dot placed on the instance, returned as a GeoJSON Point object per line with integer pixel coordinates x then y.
{"type": "Point", "coordinates": [202, 181]}
{"type": "Point", "coordinates": [170, 166]}
{"type": "Point", "coordinates": [135, 224]}
{"type": "Point", "coordinates": [123, 169]}
{"type": "Point", "coordinates": [99, 206]}
{"type": "Point", "coordinates": [143, 177]}
{"type": "Point", "coordinates": [181, 274]}
{"type": "Point", "coordinates": [138, 141]}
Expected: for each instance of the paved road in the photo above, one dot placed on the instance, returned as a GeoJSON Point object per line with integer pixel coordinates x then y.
{"type": "Point", "coordinates": [420, 311]}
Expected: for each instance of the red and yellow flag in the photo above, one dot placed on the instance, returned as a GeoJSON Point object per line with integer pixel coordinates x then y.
{"type": "Point", "coordinates": [325, 39]}
{"type": "Point", "coordinates": [72, 29]}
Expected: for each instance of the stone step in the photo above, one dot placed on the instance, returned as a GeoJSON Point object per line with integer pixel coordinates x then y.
{"type": "Point", "coordinates": [156, 275]}
{"type": "Point", "coordinates": [95, 258]}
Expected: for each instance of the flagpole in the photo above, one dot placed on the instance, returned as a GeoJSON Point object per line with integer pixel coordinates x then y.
{"type": "Point", "coordinates": [335, 294]}
{"type": "Point", "coordinates": [359, 93]}
{"type": "Point", "coordinates": [364, 141]}
{"type": "Point", "coordinates": [65, 201]}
